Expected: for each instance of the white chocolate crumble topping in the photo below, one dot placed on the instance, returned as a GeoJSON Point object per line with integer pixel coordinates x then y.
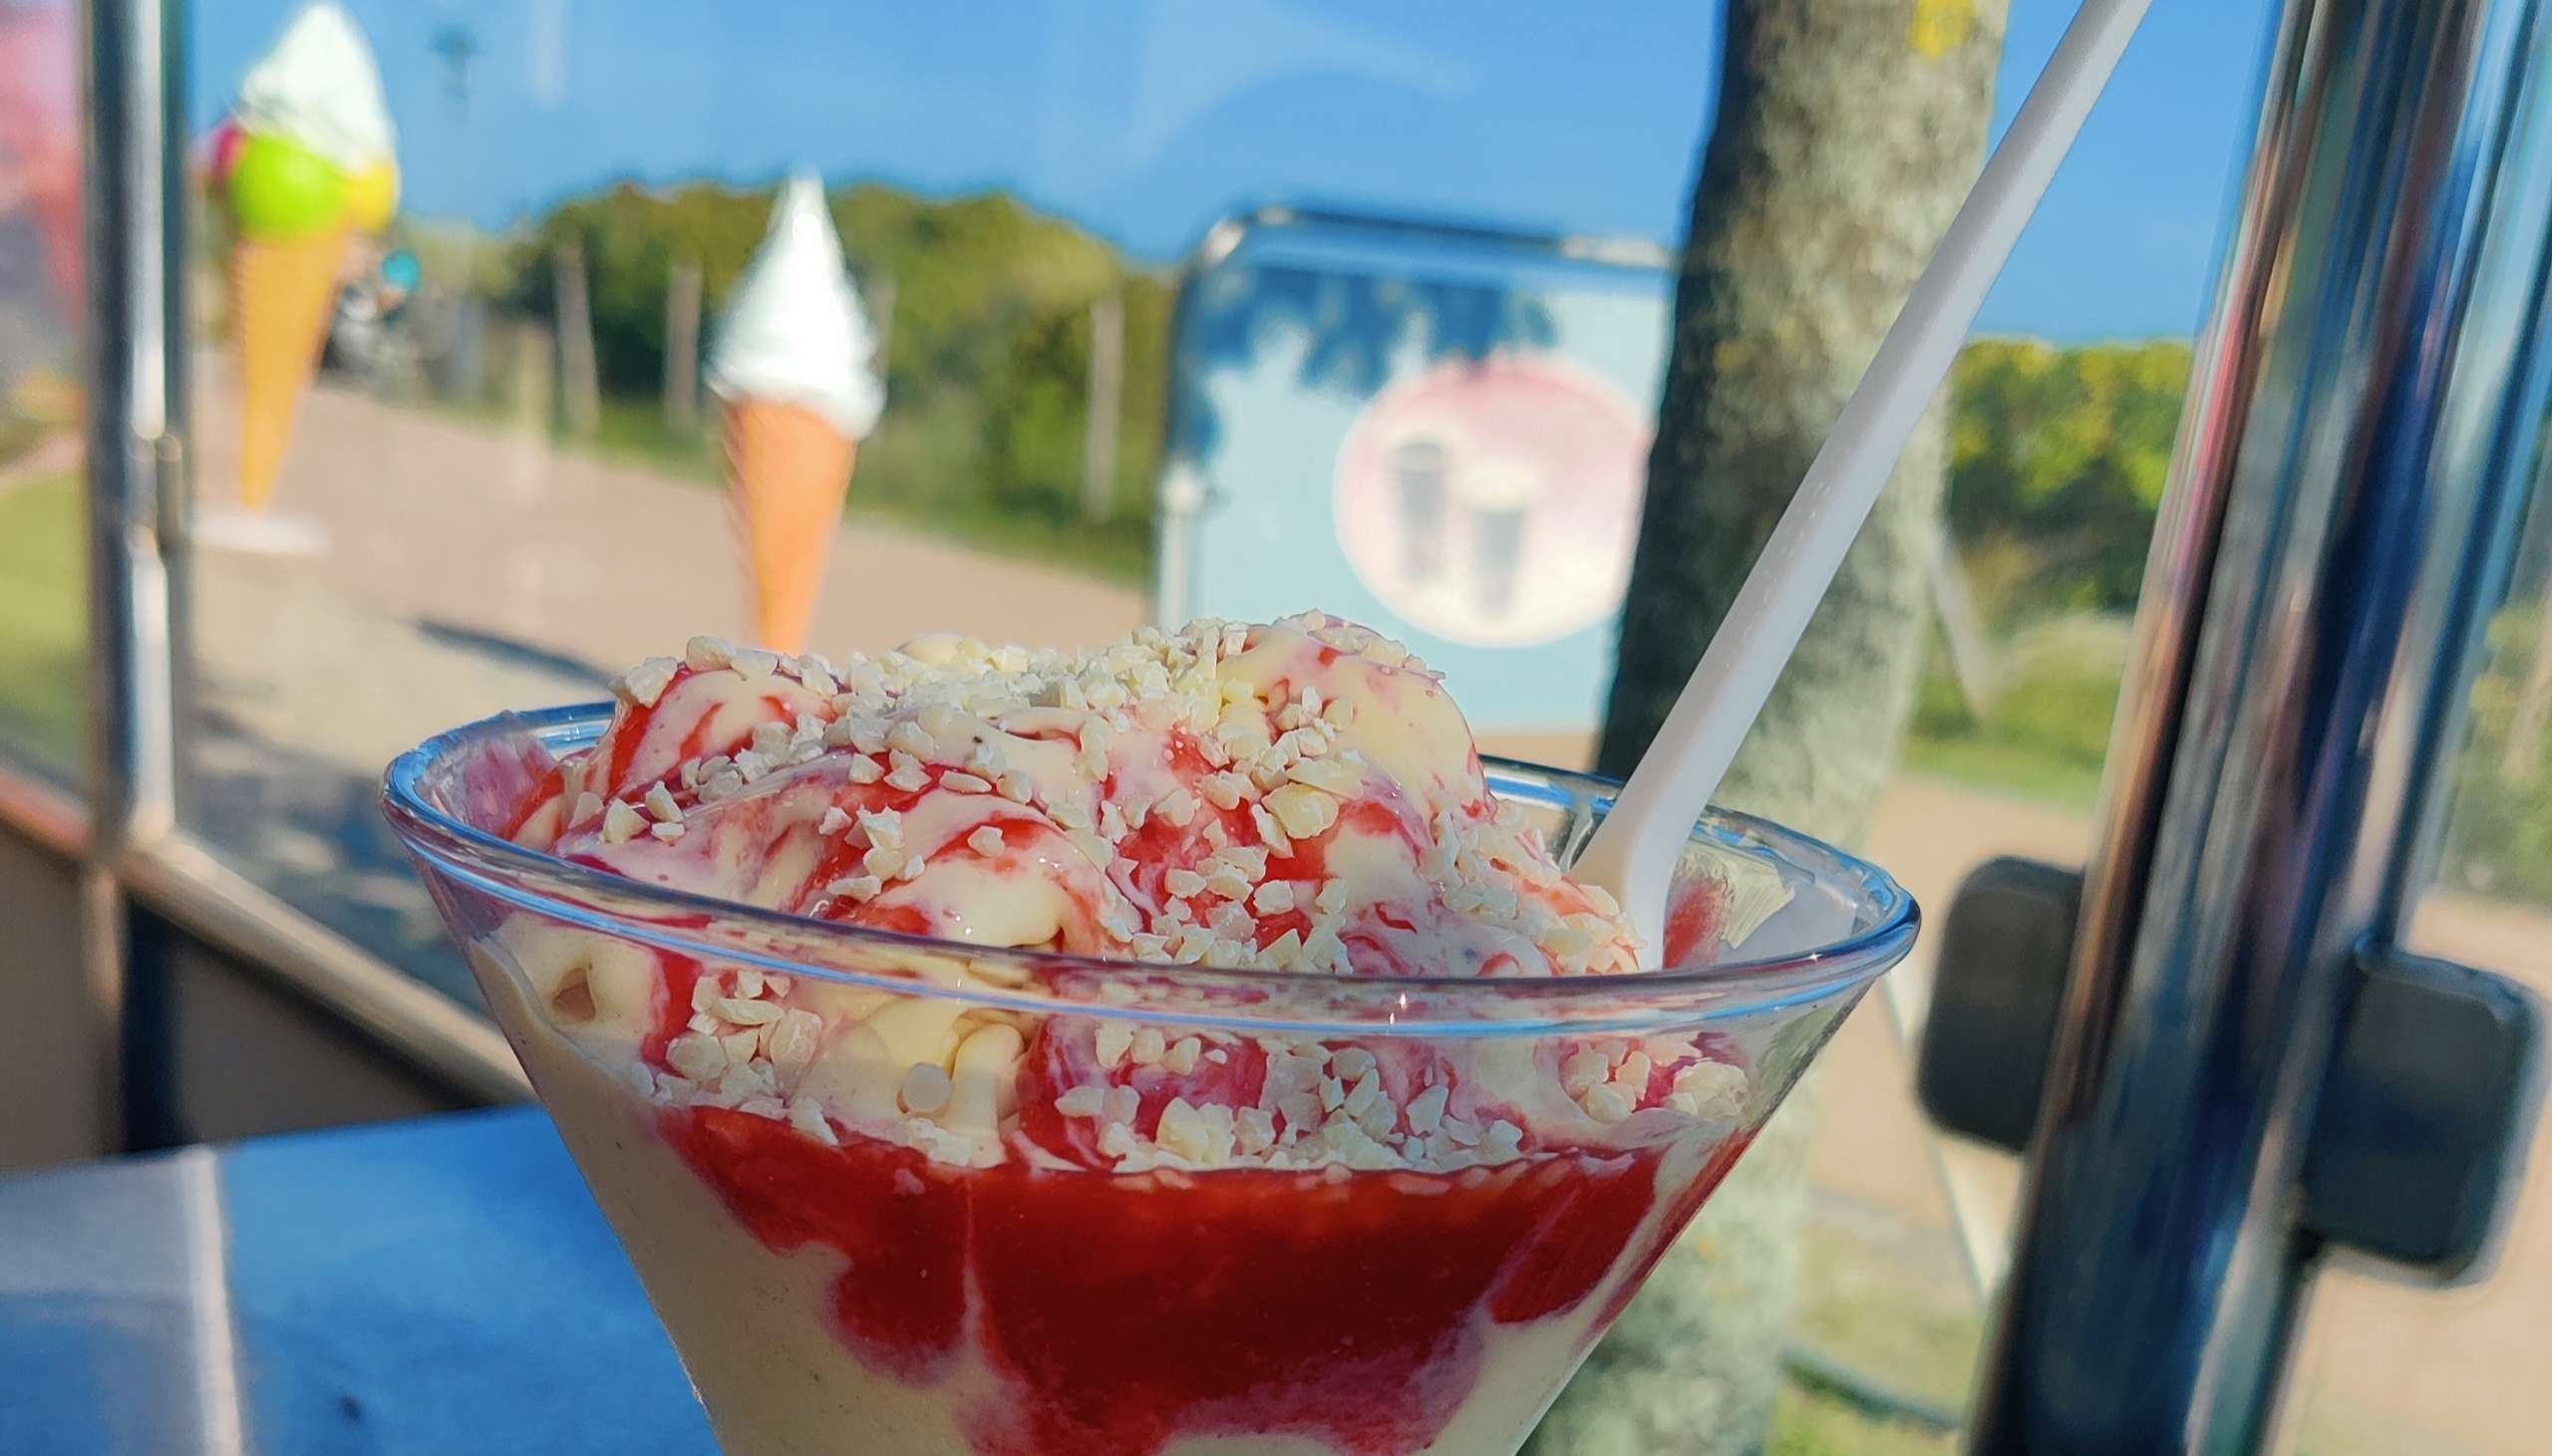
{"type": "Point", "coordinates": [1295, 797]}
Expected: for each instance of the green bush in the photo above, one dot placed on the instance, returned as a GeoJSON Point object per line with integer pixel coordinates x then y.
{"type": "Point", "coordinates": [42, 623]}
{"type": "Point", "coordinates": [2058, 456]}
{"type": "Point", "coordinates": [2499, 836]}
{"type": "Point", "coordinates": [1807, 1424]}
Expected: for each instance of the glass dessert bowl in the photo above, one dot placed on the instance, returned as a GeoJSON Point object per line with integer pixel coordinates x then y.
{"type": "Point", "coordinates": [893, 1193]}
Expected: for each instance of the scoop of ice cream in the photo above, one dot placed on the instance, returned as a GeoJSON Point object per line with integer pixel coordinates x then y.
{"type": "Point", "coordinates": [793, 331]}
{"type": "Point", "coordinates": [320, 87]}
{"type": "Point", "coordinates": [1301, 796]}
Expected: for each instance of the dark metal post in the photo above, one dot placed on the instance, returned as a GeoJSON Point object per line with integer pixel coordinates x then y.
{"type": "Point", "coordinates": [2365, 412]}
{"type": "Point", "coordinates": [132, 373]}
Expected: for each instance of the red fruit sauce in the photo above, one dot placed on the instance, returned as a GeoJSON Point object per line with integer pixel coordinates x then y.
{"type": "Point", "coordinates": [1124, 1311]}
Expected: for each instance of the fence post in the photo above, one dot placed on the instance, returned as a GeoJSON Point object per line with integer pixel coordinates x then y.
{"type": "Point", "coordinates": [1107, 399]}
{"type": "Point", "coordinates": [2521, 762]}
{"type": "Point", "coordinates": [535, 374]}
{"type": "Point", "coordinates": [881, 318]}
{"type": "Point", "coordinates": [682, 345]}
{"type": "Point", "coordinates": [577, 376]}
{"type": "Point", "coordinates": [1962, 627]}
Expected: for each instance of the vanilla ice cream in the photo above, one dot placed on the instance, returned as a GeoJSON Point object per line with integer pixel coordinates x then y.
{"type": "Point", "coordinates": [886, 1222]}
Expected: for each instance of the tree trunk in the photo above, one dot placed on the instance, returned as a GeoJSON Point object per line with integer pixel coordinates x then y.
{"type": "Point", "coordinates": [1847, 134]}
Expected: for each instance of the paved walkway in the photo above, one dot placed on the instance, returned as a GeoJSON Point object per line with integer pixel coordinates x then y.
{"type": "Point", "coordinates": [468, 523]}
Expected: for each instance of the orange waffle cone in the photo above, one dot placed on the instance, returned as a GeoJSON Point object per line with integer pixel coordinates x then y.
{"type": "Point", "coordinates": [280, 297]}
{"type": "Point", "coordinates": [787, 469]}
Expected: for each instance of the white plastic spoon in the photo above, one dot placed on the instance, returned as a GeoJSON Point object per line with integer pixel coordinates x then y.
{"type": "Point", "coordinates": [1635, 851]}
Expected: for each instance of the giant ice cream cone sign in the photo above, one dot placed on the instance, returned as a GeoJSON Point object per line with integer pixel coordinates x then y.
{"type": "Point", "coordinates": [304, 162]}
{"type": "Point", "coordinates": [791, 368]}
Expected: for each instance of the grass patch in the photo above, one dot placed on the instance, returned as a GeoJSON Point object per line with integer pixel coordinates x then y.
{"type": "Point", "coordinates": [1809, 1424]}
{"type": "Point", "coordinates": [2045, 733]}
{"type": "Point", "coordinates": [2498, 839]}
{"type": "Point", "coordinates": [2046, 736]}
{"type": "Point", "coordinates": [1980, 761]}
{"type": "Point", "coordinates": [1120, 551]}
{"type": "Point", "coordinates": [1875, 1303]}
{"type": "Point", "coordinates": [638, 435]}
{"type": "Point", "coordinates": [43, 622]}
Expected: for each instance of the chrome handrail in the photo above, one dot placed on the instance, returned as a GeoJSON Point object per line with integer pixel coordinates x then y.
{"type": "Point", "coordinates": [2368, 399]}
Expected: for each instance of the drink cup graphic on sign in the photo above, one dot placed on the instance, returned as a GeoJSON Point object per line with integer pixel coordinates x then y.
{"type": "Point", "coordinates": [1492, 503]}
{"type": "Point", "coordinates": [1418, 466]}
{"type": "Point", "coordinates": [1497, 497]}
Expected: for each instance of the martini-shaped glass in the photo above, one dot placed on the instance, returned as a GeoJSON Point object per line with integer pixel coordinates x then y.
{"type": "Point", "coordinates": [897, 1214]}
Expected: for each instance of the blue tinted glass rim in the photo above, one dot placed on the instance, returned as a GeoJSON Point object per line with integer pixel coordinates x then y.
{"type": "Point", "coordinates": [535, 880]}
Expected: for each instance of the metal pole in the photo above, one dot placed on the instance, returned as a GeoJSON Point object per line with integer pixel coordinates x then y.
{"type": "Point", "coordinates": [132, 464]}
{"type": "Point", "coordinates": [2366, 410]}
{"type": "Point", "coordinates": [456, 46]}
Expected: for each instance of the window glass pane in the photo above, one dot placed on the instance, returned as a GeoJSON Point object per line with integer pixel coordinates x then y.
{"type": "Point", "coordinates": [43, 628]}
{"type": "Point", "coordinates": [508, 475]}
{"type": "Point", "coordinates": [2391, 1369]}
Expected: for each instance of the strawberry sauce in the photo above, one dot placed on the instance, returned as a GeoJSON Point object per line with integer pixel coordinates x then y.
{"type": "Point", "coordinates": [1330, 815]}
{"type": "Point", "coordinates": [1126, 1310]}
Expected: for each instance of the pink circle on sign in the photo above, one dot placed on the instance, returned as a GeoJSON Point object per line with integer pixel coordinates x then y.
{"type": "Point", "coordinates": [1495, 502]}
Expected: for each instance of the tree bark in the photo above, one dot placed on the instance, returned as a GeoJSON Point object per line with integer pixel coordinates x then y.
{"type": "Point", "coordinates": [1842, 149]}
{"type": "Point", "coordinates": [1848, 132]}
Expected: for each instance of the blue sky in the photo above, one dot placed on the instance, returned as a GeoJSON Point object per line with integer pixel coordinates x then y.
{"type": "Point", "coordinates": [1145, 118]}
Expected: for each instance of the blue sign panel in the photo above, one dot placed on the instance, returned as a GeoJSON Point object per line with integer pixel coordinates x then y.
{"type": "Point", "coordinates": [1441, 433]}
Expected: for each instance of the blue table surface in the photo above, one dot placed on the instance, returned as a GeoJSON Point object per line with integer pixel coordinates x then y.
{"type": "Point", "coordinates": [441, 1285]}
